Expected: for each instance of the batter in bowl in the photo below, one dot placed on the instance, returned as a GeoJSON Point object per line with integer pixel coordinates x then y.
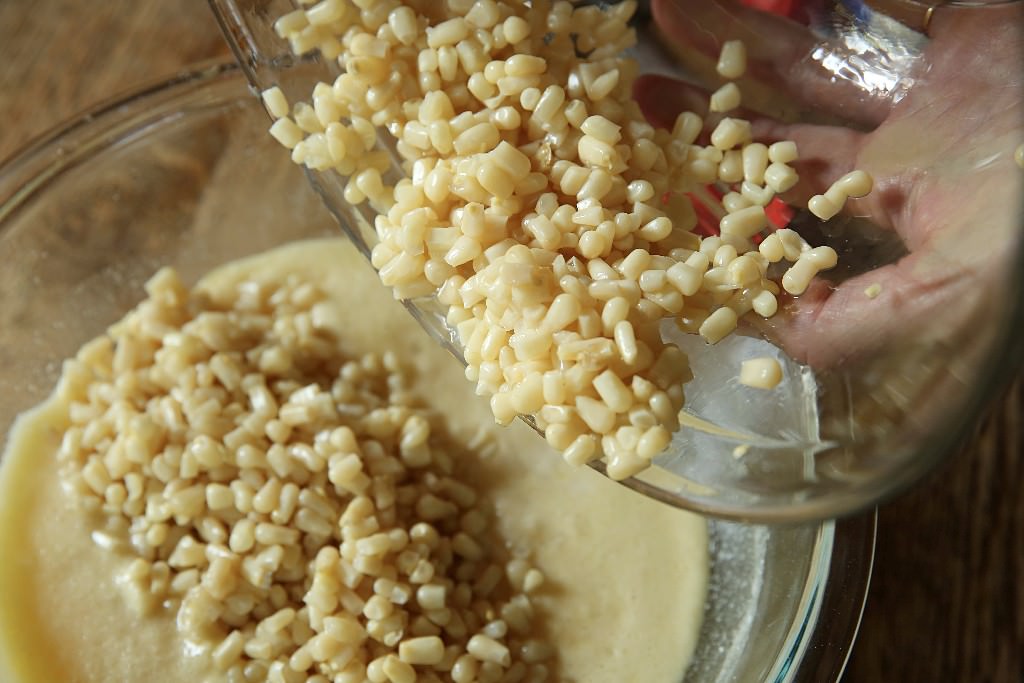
{"type": "Point", "coordinates": [625, 577]}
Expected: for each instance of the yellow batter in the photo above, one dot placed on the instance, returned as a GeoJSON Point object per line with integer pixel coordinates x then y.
{"type": "Point", "coordinates": [625, 577]}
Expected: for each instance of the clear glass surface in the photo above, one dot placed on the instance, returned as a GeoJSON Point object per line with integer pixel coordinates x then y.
{"type": "Point", "coordinates": [183, 174]}
{"type": "Point", "coordinates": [833, 440]}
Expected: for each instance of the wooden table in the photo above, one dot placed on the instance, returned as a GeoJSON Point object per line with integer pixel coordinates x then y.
{"type": "Point", "coordinates": [947, 602]}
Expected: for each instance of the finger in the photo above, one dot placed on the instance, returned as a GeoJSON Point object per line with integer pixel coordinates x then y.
{"type": "Point", "coordinates": [872, 312]}
{"type": "Point", "coordinates": [662, 99]}
{"type": "Point", "coordinates": [787, 75]}
{"type": "Point", "coordinates": [826, 152]}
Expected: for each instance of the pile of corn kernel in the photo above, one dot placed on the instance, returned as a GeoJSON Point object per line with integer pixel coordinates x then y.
{"type": "Point", "coordinates": [540, 207]}
{"type": "Point", "coordinates": [302, 516]}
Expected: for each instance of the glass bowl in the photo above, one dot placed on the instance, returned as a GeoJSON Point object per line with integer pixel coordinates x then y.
{"type": "Point", "coordinates": [182, 174]}
{"type": "Point", "coordinates": [830, 440]}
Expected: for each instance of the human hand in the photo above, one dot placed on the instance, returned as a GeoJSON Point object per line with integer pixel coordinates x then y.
{"type": "Point", "coordinates": [942, 157]}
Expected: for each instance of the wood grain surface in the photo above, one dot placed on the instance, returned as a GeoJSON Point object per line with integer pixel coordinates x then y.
{"type": "Point", "coordinates": [947, 599]}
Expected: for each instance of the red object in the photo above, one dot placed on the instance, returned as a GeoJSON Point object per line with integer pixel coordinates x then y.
{"type": "Point", "coordinates": [779, 213]}
{"type": "Point", "coordinates": [714, 192]}
{"type": "Point", "coordinates": [707, 224]}
{"type": "Point", "coordinates": [798, 10]}
{"type": "Point", "coordinates": [783, 7]}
